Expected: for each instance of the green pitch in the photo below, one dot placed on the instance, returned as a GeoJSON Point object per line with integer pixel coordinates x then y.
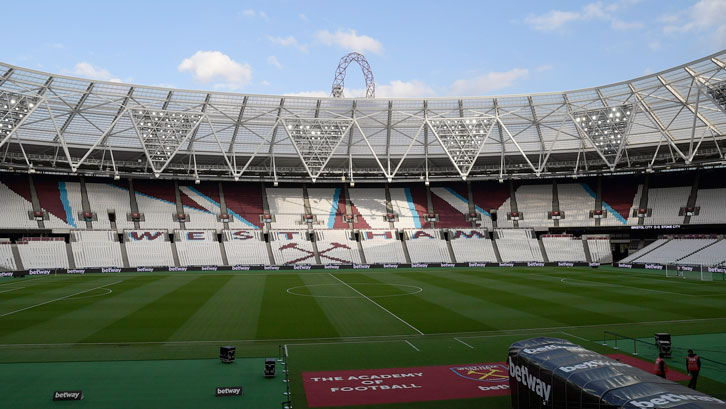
{"type": "Point", "coordinates": [333, 321]}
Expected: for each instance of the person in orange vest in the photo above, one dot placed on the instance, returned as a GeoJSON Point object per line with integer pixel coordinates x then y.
{"type": "Point", "coordinates": [693, 364]}
{"type": "Point", "coordinates": [660, 366]}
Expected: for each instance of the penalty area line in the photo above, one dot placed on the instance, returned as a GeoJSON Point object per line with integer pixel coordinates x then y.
{"type": "Point", "coordinates": [412, 345]}
{"type": "Point", "coordinates": [378, 305]}
{"type": "Point", "coordinates": [60, 298]}
{"type": "Point", "coordinates": [462, 342]}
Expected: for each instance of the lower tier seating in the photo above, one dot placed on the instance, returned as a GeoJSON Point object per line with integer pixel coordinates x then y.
{"type": "Point", "coordinates": [472, 245]}
{"type": "Point", "coordinates": [382, 246]}
{"type": "Point", "coordinates": [427, 246]}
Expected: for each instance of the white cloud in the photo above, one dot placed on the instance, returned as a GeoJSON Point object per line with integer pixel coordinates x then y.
{"type": "Point", "coordinates": [308, 94]}
{"type": "Point", "coordinates": [87, 70]}
{"type": "Point", "coordinates": [214, 66]}
{"type": "Point", "coordinates": [706, 15]}
{"type": "Point", "coordinates": [545, 67]}
{"type": "Point", "coordinates": [486, 83]}
{"type": "Point", "coordinates": [350, 40]}
{"type": "Point", "coordinates": [395, 89]}
{"type": "Point", "coordinates": [288, 41]}
{"type": "Point", "coordinates": [557, 19]}
{"type": "Point", "coordinates": [250, 13]}
{"type": "Point", "coordinates": [272, 60]}
{"type": "Point", "coordinates": [303, 17]}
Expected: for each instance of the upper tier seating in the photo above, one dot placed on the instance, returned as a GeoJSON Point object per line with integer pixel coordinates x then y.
{"type": "Point", "coordinates": [472, 245]}
{"type": "Point", "coordinates": [96, 248]}
{"type": "Point", "coordinates": [712, 203]}
{"type": "Point", "coordinates": [287, 205]}
{"type": "Point", "coordinates": [451, 207]}
{"type": "Point", "coordinates": [534, 202]}
{"type": "Point", "coordinates": [382, 246]}
{"type": "Point", "coordinates": [292, 247]}
{"type": "Point", "coordinates": [157, 203]}
{"type": "Point", "coordinates": [148, 248]}
{"type": "Point", "coordinates": [201, 205]}
{"type": "Point", "coordinates": [410, 207]}
{"type": "Point", "coordinates": [326, 207]}
{"type": "Point", "coordinates": [62, 201]}
{"type": "Point", "coordinates": [633, 220]}
{"type": "Point", "coordinates": [43, 252]}
{"type": "Point", "coordinates": [245, 247]}
{"type": "Point", "coordinates": [666, 204]}
{"type": "Point", "coordinates": [7, 261]}
{"type": "Point", "coordinates": [198, 248]}
{"type": "Point", "coordinates": [490, 196]}
{"type": "Point", "coordinates": [107, 197]}
{"type": "Point", "coordinates": [618, 199]}
{"type": "Point", "coordinates": [600, 250]}
{"type": "Point", "coordinates": [16, 210]}
{"type": "Point", "coordinates": [427, 246]}
{"type": "Point", "coordinates": [564, 249]}
{"type": "Point", "coordinates": [577, 200]}
{"type": "Point", "coordinates": [337, 247]}
{"type": "Point", "coordinates": [371, 205]}
{"type": "Point", "coordinates": [244, 205]}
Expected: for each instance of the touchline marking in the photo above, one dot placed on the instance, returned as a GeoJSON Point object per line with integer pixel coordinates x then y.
{"type": "Point", "coordinates": [61, 298]}
{"type": "Point", "coordinates": [575, 336]}
{"type": "Point", "coordinates": [12, 289]}
{"type": "Point", "coordinates": [379, 305]}
{"type": "Point", "coordinates": [464, 343]}
{"type": "Point", "coordinates": [412, 345]}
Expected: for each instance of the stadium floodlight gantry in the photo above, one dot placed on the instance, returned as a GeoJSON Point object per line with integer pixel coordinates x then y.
{"type": "Point", "coordinates": [674, 118]}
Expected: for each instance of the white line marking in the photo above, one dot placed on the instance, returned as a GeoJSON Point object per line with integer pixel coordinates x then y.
{"type": "Point", "coordinates": [108, 291]}
{"type": "Point", "coordinates": [464, 343]}
{"type": "Point", "coordinates": [61, 298]}
{"type": "Point", "coordinates": [25, 280]}
{"type": "Point", "coordinates": [12, 289]}
{"type": "Point", "coordinates": [575, 336]}
{"type": "Point", "coordinates": [379, 305]}
{"type": "Point", "coordinates": [412, 345]}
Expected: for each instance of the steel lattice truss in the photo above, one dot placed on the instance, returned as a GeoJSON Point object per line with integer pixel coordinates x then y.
{"type": "Point", "coordinates": [677, 118]}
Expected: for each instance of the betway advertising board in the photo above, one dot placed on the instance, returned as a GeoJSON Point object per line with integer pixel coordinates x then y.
{"type": "Point", "coordinates": [555, 373]}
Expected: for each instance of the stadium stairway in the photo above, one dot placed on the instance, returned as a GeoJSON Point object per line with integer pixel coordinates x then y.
{"type": "Point", "coordinates": [69, 254]}
{"type": "Point", "coordinates": [588, 256]}
{"type": "Point", "coordinates": [85, 203]}
{"type": "Point", "coordinates": [35, 200]}
{"type": "Point", "coordinates": [644, 198]}
{"type": "Point", "coordinates": [450, 247]}
{"type": "Point", "coordinates": [513, 202]}
{"type": "Point", "coordinates": [124, 254]}
{"type": "Point", "coordinates": [223, 251]}
{"type": "Point", "coordinates": [555, 204]}
{"type": "Point", "coordinates": [495, 246]}
{"type": "Point", "coordinates": [405, 247]}
{"type": "Point", "coordinates": [16, 256]}
{"type": "Point", "coordinates": [134, 203]}
{"type": "Point", "coordinates": [361, 252]}
{"type": "Point", "coordinates": [692, 197]}
{"type": "Point", "coordinates": [542, 250]}
{"type": "Point", "coordinates": [175, 254]}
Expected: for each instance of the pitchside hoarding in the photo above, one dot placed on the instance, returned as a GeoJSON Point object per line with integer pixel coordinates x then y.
{"type": "Point", "coordinates": [555, 373]}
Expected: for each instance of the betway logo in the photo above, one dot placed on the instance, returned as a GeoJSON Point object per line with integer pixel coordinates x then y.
{"type": "Point", "coordinates": [621, 265]}
{"type": "Point", "coordinates": [506, 264]}
{"type": "Point", "coordinates": [229, 391]}
{"type": "Point", "coordinates": [673, 397]}
{"type": "Point", "coordinates": [447, 265]}
{"type": "Point", "coordinates": [272, 267]}
{"type": "Point", "coordinates": [39, 272]}
{"type": "Point", "coordinates": [76, 271]}
{"type": "Point", "coordinates": [685, 268]}
{"type": "Point", "coordinates": [533, 383]}
{"type": "Point", "coordinates": [590, 364]}
{"type": "Point", "coordinates": [67, 395]}
{"type": "Point", "coordinates": [716, 270]}
{"type": "Point", "coordinates": [332, 267]}
{"type": "Point", "coordinates": [564, 264]}
{"type": "Point", "coordinates": [535, 264]}
{"type": "Point", "coordinates": [209, 268]}
{"type": "Point", "coordinates": [178, 268]}
{"type": "Point", "coordinates": [654, 267]}
{"type": "Point", "coordinates": [419, 265]}
{"type": "Point", "coordinates": [551, 348]}
{"type": "Point", "coordinates": [301, 267]}
{"type": "Point", "coordinates": [391, 266]}
{"type": "Point", "coordinates": [110, 270]}
{"type": "Point", "coordinates": [6, 274]}
{"type": "Point", "coordinates": [361, 266]}
{"type": "Point", "coordinates": [477, 264]}
{"type": "Point", "coordinates": [594, 264]}
{"type": "Point", "coordinates": [145, 269]}
{"type": "Point", "coordinates": [240, 268]}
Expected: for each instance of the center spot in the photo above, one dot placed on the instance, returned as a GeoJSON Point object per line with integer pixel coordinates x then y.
{"type": "Point", "coordinates": [340, 290]}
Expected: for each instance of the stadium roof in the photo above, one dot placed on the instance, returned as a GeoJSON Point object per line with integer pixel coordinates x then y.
{"type": "Point", "coordinates": [672, 118]}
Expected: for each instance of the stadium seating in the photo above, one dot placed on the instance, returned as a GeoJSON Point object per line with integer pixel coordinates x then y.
{"type": "Point", "coordinates": [518, 245]}
{"type": "Point", "coordinates": [43, 252]}
{"type": "Point", "coordinates": [534, 202]}
{"type": "Point", "coordinates": [7, 261]}
{"type": "Point", "coordinates": [201, 205]}
{"type": "Point", "coordinates": [110, 197]}
{"type": "Point", "coordinates": [577, 200]}
{"type": "Point", "coordinates": [426, 246]}
{"type": "Point", "coordinates": [96, 248]}
{"type": "Point", "coordinates": [244, 205]}
{"type": "Point", "coordinates": [157, 203]}
{"type": "Point", "coordinates": [198, 248]}
{"type": "Point", "coordinates": [666, 204]}
{"type": "Point", "coordinates": [292, 247]}
{"type": "Point", "coordinates": [148, 248]}
{"type": "Point", "coordinates": [17, 209]}
{"type": "Point", "coordinates": [61, 200]}
{"type": "Point", "coordinates": [245, 247]}
{"type": "Point", "coordinates": [619, 198]}
{"type": "Point", "coordinates": [382, 246]}
{"type": "Point", "coordinates": [633, 220]}
{"type": "Point", "coordinates": [409, 204]}
{"type": "Point", "coordinates": [451, 207]}
{"type": "Point", "coordinates": [337, 247]}
{"type": "Point", "coordinates": [287, 205]}
{"type": "Point", "coordinates": [563, 248]}
{"type": "Point", "coordinates": [670, 250]}
{"type": "Point", "coordinates": [371, 206]}
{"type": "Point", "coordinates": [712, 255]}
{"type": "Point", "coordinates": [490, 196]}
{"type": "Point", "coordinates": [600, 250]}
{"type": "Point", "coordinates": [326, 207]}
{"type": "Point", "coordinates": [712, 203]}
{"type": "Point", "coordinates": [472, 245]}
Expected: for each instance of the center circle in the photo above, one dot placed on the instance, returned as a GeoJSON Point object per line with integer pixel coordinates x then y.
{"type": "Point", "coordinates": [407, 290]}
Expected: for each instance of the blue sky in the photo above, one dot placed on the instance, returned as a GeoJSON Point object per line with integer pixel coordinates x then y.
{"type": "Point", "coordinates": [416, 48]}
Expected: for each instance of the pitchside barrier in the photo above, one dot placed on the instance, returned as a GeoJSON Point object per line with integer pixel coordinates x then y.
{"type": "Point", "coordinates": [555, 373]}
{"type": "Point", "coordinates": [690, 271]}
{"type": "Point", "coordinates": [53, 271]}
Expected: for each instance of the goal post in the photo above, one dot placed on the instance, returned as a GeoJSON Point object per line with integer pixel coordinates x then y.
{"type": "Point", "coordinates": [672, 271]}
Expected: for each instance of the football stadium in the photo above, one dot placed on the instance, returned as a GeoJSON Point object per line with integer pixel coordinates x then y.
{"type": "Point", "coordinates": [163, 247]}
